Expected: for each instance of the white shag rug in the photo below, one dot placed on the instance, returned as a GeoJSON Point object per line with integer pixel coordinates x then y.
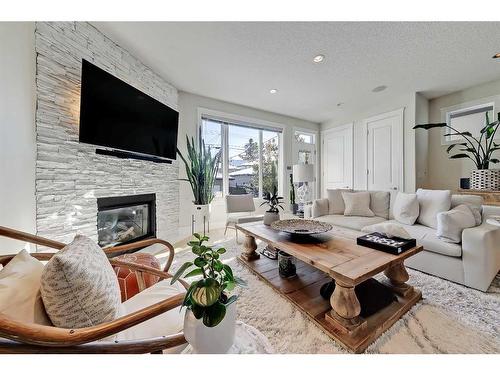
{"type": "Point", "coordinates": [451, 318]}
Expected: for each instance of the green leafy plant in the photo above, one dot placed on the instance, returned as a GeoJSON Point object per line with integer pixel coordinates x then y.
{"type": "Point", "coordinates": [207, 298]}
{"type": "Point", "coordinates": [292, 190]}
{"type": "Point", "coordinates": [472, 148]}
{"type": "Point", "coordinates": [201, 170]}
{"type": "Point", "coordinates": [273, 200]}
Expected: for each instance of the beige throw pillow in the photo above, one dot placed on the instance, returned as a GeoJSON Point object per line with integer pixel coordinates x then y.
{"type": "Point", "coordinates": [79, 287]}
{"type": "Point", "coordinates": [319, 208]}
{"type": "Point", "coordinates": [20, 290]}
{"type": "Point", "coordinates": [450, 224]}
{"type": "Point", "coordinates": [336, 204]}
{"type": "Point", "coordinates": [357, 204]}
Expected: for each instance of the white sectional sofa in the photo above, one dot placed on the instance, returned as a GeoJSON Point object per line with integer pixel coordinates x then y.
{"type": "Point", "coordinates": [474, 262]}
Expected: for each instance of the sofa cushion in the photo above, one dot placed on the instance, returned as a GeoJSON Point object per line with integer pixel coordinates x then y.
{"type": "Point", "coordinates": [475, 203]}
{"type": "Point", "coordinates": [336, 204]}
{"type": "Point", "coordinates": [428, 238]}
{"type": "Point", "coordinates": [20, 290]}
{"type": "Point", "coordinates": [451, 223]}
{"type": "Point", "coordinates": [406, 208]}
{"type": "Point", "coordinates": [357, 204]}
{"type": "Point", "coordinates": [379, 203]}
{"type": "Point", "coordinates": [351, 222]}
{"type": "Point", "coordinates": [432, 202]}
{"type": "Point", "coordinates": [79, 287]}
{"type": "Point", "coordinates": [319, 208]}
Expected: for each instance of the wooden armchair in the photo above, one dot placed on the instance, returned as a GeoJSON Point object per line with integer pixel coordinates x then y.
{"type": "Point", "coordinates": [20, 337]}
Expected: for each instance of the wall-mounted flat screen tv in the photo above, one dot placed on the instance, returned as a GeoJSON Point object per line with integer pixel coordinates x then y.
{"type": "Point", "coordinates": [115, 115]}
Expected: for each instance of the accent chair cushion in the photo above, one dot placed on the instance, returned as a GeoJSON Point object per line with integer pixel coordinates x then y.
{"type": "Point", "coordinates": [474, 202]}
{"type": "Point", "coordinates": [20, 296]}
{"type": "Point", "coordinates": [406, 208]}
{"type": "Point", "coordinates": [357, 204]}
{"type": "Point", "coordinates": [432, 202]}
{"type": "Point", "coordinates": [453, 222]}
{"type": "Point", "coordinates": [320, 208]}
{"type": "Point", "coordinates": [240, 203]}
{"type": "Point", "coordinates": [79, 287]}
{"type": "Point", "coordinates": [133, 282]}
{"type": "Point", "coordinates": [336, 204]}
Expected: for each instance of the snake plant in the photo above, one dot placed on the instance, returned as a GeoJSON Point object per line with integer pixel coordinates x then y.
{"type": "Point", "coordinates": [201, 170]}
{"type": "Point", "coordinates": [481, 153]}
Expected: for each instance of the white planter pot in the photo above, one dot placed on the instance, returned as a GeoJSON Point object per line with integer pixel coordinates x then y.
{"type": "Point", "coordinates": [485, 179]}
{"type": "Point", "coordinates": [201, 218]}
{"type": "Point", "coordinates": [211, 340]}
{"type": "Point", "coordinates": [271, 217]}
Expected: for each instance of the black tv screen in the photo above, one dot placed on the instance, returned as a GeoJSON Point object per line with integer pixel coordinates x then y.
{"type": "Point", "coordinates": [115, 115]}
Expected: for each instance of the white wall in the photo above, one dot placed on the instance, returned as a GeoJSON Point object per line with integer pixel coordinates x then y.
{"type": "Point", "coordinates": [443, 172]}
{"type": "Point", "coordinates": [188, 121]}
{"type": "Point", "coordinates": [17, 130]}
{"type": "Point", "coordinates": [409, 103]}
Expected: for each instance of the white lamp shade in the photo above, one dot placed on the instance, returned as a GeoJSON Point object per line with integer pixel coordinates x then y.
{"type": "Point", "coordinates": [303, 173]}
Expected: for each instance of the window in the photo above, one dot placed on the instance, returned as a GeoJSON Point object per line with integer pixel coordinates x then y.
{"type": "Point", "coordinates": [302, 137]}
{"type": "Point", "coordinates": [250, 162]}
{"type": "Point", "coordinates": [471, 119]}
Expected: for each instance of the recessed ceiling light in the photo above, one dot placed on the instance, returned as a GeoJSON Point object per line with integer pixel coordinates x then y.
{"type": "Point", "coordinates": [319, 58]}
{"type": "Point", "coordinates": [379, 88]}
{"type": "Point", "coordinates": [340, 104]}
{"type": "Point", "coordinates": [273, 91]}
{"type": "Point", "coordinates": [496, 55]}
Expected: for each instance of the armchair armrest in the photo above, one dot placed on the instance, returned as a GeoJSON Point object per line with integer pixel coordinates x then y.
{"type": "Point", "coordinates": [481, 255]}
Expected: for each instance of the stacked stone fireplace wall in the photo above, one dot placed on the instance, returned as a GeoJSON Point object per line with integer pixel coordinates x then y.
{"type": "Point", "coordinates": [69, 175]}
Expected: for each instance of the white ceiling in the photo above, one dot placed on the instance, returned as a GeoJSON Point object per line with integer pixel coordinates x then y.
{"type": "Point", "coordinates": [240, 62]}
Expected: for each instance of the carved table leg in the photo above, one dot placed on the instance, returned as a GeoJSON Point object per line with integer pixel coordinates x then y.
{"type": "Point", "coordinates": [345, 309]}
{"type": "Point", "coordinates": [398, 276]}
{"type": "Point", "coordinates": [249, 247]}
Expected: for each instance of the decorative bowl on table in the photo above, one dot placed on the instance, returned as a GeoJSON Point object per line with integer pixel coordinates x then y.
{"type": "Point", "coordinates": [300, 226]}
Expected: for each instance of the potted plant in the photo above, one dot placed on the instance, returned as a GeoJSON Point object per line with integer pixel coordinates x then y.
{"type": "Point", "coordinates": [210, 319]}
{"type": "Point", "coordinates": [201, 170]}
{"type": "Point", "coordinates": [274, 202]}
{"type": "Point", "coordinates": [293, 206]}
{"type": "Point", "coordinates": [479, 150]}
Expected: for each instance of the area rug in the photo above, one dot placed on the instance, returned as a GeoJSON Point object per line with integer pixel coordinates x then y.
{"type": "Point", "coordinates": [450, 319]}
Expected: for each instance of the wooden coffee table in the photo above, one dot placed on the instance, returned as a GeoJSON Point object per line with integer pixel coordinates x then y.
{"type": "Point", "coordinates": [321, 258]}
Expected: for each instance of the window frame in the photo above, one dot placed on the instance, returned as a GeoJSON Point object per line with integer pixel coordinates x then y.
{"type": "Point", "coordinates": [226, 119]}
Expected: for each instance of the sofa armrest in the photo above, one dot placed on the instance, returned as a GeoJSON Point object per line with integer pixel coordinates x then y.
{"type": "Point", "coordinates": [319, 208]}
{"type": "Point", "coordinates": [481, 254]}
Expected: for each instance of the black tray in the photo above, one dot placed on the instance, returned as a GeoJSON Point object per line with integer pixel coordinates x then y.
{"type": "Point", "coordinates": [380, 242]}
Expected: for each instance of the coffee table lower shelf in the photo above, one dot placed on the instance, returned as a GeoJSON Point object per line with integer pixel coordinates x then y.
{"type": "Point", "coordinates": [304, 292]}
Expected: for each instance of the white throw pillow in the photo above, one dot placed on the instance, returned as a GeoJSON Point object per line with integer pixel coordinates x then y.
{"type": "Point", "coordinates": [450, 224]}
{"type": "Point", "coordinates": [20, 290]}
{"type": "Point", "coordinates": [474, 202]}
{"type": "Point", "coordinates": [319, 208]}
{"type": "Point", "coordinates": [432, 202]}
{"type": "Point", "coordinates": [336, 204]}
{"type": "Point", "coordinates": [388, 229]}
{"type": "Point", "coordinates": [79, 287]}
{"type": "Point", "coordinates": [357, 204]}
{"type": "Point", "coordinates": [406, 208]}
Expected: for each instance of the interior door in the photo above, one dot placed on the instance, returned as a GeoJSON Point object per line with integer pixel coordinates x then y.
{"type": "Point", "coordinates": [337, 157]}
{"type": "Point", "coordinates": [385, 151]}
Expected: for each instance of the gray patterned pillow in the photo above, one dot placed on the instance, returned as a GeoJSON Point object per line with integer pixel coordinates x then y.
{"type": "Point", "coordinates": [79, 287]}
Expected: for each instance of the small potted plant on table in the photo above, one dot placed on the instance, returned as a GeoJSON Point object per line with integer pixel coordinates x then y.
{"type": "Point", "coordinates": [275, 203]}
{"type": "Point", "coordinates": [210, 320]}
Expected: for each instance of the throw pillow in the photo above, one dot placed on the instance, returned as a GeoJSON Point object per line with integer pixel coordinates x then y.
{"type": "Point", "coordinates": [379, 203]}
{"type": "Point", "coordinates": [319, 208]}
{"type": "Point", "coordinates": [450, 224]}
{"type": "Point", "coordinates": [432, 202]}
{"type": "Point", "coordinates": [20, 290]}
{"type": "Point", "coordinates": [406, 208]}
{"type": "Point", "coordinates": [336, 204]}
{"type": "Point", "coordinates": [79, 287]}
{"type": "Point", "coordinates": [474, 202]}
{"type": "Point", "coordinates": [357, 204]}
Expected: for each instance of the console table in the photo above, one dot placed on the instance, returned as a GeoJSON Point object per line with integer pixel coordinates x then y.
{"type": "Point", "coordinates": [490, 197]}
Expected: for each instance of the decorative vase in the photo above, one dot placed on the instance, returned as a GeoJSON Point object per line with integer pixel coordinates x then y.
{"type": "Point", "coordinates": [271, 217]}
{"type": "Point", "coordinates": [201, 218]}
{"type": "Point", "coordinates": [211, 340]}
{"type": "Point", "coordinates": [485, 179]}
{"type": "Point", "coordinates": [286, 265]}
